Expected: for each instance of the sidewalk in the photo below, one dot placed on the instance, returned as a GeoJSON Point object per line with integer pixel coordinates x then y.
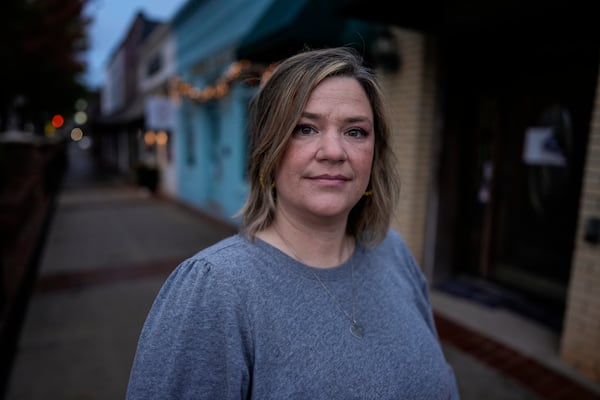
{"type": "Point", "coordinates": [107, 252]}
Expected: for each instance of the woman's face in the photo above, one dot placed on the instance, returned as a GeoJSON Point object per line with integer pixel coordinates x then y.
{"type": "Point", "coordinates": [327, 164]}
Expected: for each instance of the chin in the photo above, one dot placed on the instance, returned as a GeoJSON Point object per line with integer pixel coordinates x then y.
{"type": "Point", "coordinates": [328, 205]}
{"type": "Point", "coordinates": [327, 211]}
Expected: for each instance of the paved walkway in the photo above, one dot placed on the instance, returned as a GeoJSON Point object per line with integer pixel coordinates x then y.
{"type": "Point", "coordinates": [108, 250]}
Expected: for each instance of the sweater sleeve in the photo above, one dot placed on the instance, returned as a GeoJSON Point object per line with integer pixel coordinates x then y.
{"type": "Point", "coordinates": [195, 342]}
{"type": "Point", "coordinates": [420, 284]}
{"type": "Point", "coordinates": [424, 303]}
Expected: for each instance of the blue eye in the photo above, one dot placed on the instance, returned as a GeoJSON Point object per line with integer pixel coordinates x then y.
{"type": "Point", "coordinates": [303, 130]}
{"type": "Point", "coordinates": [357, 133]}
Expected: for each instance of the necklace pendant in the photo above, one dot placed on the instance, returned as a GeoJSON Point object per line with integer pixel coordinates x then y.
{"type": "Point", "coordinates": [356, 330]}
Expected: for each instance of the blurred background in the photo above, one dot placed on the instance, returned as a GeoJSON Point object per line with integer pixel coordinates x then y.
{"type": "Point", "coordinates": [123, 150]}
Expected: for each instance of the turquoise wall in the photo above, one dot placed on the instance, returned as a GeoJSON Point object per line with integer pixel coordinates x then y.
{"type": "Point", "coordinates": [211, 139]}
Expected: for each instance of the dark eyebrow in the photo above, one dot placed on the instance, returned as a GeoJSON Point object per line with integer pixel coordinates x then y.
{"type": "Point", "coordinates": [309, 115]}
{"type": "Point", "coordinates": [353, 119]}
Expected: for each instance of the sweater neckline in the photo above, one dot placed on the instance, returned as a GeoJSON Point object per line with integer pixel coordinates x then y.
{"type": "Point", "coordinates": [280, 259]}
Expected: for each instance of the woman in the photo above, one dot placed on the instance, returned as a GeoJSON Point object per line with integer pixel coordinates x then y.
{"type": "Point", "coordinates": [315, 298]}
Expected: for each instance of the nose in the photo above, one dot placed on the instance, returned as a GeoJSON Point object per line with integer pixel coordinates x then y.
{"type": "Point", "coordinates": [331, 148]}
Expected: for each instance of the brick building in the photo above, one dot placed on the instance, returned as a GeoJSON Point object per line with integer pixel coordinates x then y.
{"type": "Point", "coordinates": [476, 88]}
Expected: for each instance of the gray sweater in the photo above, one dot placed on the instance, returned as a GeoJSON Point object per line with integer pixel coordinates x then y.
{"type": "Point", "coordinates": [242, 320]}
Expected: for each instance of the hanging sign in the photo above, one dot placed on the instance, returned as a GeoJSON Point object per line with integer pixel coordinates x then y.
{"type": "Point", "coordinates": [542, 148]}
{"type": "Point", "coordinates": [159, 113]}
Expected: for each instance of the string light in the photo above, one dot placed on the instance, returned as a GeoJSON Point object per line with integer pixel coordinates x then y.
{"type": "Point", "coordinates": [162, 138]}
{"type": "Point", "coordinates": [242, 70]}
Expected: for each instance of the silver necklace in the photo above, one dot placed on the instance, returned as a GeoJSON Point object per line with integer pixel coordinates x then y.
{"type": "Point", "coordinates": [355, 328]}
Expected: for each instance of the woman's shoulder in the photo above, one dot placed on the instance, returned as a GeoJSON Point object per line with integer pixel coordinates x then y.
{"type": "Point", "coordinates": [394, 247]}
{"type": "Point", "coordinates": [217, 269]}
{"type": "Point", "coordinates": [225, 247]}
{"type": "Point", "coordinates": [395, 240]}
{"type": "Point", "coordinates": [233, 252]}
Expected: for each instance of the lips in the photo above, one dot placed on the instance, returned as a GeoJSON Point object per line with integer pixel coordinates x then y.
{"type": "Point", "coordinates": [327, 177]}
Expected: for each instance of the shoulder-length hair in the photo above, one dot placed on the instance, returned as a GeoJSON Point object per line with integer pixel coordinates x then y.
{"type": "Point", "coordinates": [273, 114]}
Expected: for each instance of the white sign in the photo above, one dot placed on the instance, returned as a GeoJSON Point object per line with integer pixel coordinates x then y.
{"type": "Point", "coordinates": [541, 148]}
{"type": "Point", "coordinates": [159, 113]}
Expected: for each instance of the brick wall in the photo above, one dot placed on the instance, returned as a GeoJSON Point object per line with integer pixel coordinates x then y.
{"type": "Point", "coordinates": [580, 342]}
{"type": "Point", "coordinates": [410, 97]}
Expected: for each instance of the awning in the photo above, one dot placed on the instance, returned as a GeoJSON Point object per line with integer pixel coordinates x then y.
{"type": "Point", "coordinates": [287, 27]}
{"type": "Point", "coordinates": [443, 16]}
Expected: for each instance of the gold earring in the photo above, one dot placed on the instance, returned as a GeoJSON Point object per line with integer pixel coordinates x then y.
{"type": "Point", "coordinates": [261, 180]}
{"type": "Point", "coordinates": [368, 193]}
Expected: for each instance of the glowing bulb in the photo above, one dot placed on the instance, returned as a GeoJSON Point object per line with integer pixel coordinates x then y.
{"type": "Point", "coordinates": [58, 121]}
{"type": "Point", "coordinates": [76, 134]}
{"type": "Point", "coordinates": [149, 138]}
{"type": "Point", "coordinates": [162, 138]}
{"type": "Point", "coordinates": [80, 117]}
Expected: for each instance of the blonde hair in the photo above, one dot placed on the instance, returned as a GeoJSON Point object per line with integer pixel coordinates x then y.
{"type": "Point", "coordinates": [275, 111]}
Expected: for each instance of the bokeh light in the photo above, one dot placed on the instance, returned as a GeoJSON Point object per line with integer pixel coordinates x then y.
{"type": "Point", "coordinates": [81, 105]}
{"type": "Point", "coordinates": [49, 129]}
{"type": "Point", "coordinates": [85, 143]}
{"type": "Point", "coordinates": [150, 138]}
{"type": "Point", "coordinates": [80, 117]}
{"type": "Point", "coordinates": [58, 121]}
{"type": "Point", "coordinates": [162, 138]}
{"type": "Point", "coordinates": [76, 134]}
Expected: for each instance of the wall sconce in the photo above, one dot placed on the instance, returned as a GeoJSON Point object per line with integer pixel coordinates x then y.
{"type": "Point", "coordinates": [150, 138]}
{"type": "Point", "coordinates": [385, 51]}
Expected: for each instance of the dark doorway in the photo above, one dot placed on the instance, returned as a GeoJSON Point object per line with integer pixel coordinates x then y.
{"type": "Point", "coordinates": [516, 110]}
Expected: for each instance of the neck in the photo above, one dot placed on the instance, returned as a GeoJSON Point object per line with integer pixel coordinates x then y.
{"type": "Point", "coordinates": [322, 248]}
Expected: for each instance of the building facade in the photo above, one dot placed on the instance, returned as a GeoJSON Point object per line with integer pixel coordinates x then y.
{"type": "Point", "coordinates": [155, 70]}
{"type": "Point", "coordinates": [497, 129]}
{"type": "Point", "coordinates": [121, 122]}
